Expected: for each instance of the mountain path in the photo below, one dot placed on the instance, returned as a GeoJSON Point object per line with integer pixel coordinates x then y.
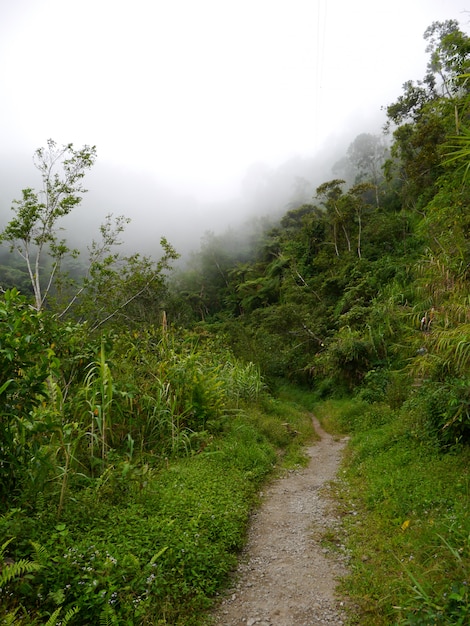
{"type": "Point", "coordinates": [286, 577]}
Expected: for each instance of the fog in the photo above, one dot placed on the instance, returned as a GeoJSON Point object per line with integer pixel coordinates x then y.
{"type": "Point", "coordinates": [205, 113]}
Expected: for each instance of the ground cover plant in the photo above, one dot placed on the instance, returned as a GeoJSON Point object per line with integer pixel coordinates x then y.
{"type": "Point", "coordinates": [153, 555]}
{"type": "Point", "coordinates": [141, 458]}
{"type": "Point", "coordinates": [128, 553]}
{"type": "Point", "coordinates": [131, 449]}
{"type": "Point", "coordinates": [405, 506]}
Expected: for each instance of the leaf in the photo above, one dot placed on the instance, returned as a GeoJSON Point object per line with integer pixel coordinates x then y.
{"type": "Point", "coordinates": [68, 616]}
{"type": "Point", "coordinates": [5, 385]}
{"type": "Point", "coordinates": [52, 621]}
{"type": "Point", "coordinates": [42, 555]}
{"type": "Point", "coordinates": [157, 555]}
{"type": "Point", "coordinates": [17, 569]}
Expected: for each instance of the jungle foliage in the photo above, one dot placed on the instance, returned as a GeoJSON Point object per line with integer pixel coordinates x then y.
{"type": "Point", "coordinates": [137, 404]}
{"type": "Point", "coordinates": [369, 280]}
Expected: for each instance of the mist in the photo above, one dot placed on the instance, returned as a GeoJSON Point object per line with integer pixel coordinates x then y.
{"type": "Point", "coordinates": [204, 115]}
{"type": "Point", "coordinates": [181, 212]}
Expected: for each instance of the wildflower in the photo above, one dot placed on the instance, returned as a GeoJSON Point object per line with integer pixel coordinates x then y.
{"type": "Point", "coordinates": [113, 598]}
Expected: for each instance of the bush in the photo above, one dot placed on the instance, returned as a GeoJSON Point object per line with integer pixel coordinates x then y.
{"type": "Point", "coordinates": [147, 544]}
{"type": "Point", "coordinates": [26, 361]}
{"type": "Point", "coordinates": [406, 521]}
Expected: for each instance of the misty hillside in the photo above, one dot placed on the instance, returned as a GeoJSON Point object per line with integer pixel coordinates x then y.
{"type": "Point", "coordinates": [146, 398]}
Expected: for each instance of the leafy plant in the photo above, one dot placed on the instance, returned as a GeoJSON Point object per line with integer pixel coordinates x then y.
{"type": "Point", "coordinates": [450, 606]}
{"type": "Point", "coordinates": [459, 150]}
{"type": "Point", "coordinates": [14, 570]}
{"type": "Point", "coordinates": [98, 393]}
{"type": "Point", "coordinates": [34, 229]}
{"type": "Point", "coordinates": [26, 362]}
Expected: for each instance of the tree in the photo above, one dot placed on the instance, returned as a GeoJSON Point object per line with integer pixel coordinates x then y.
{"type": "Point", "coordinates": [129, 290]}
{"type": "Point", "coordinates": [33, 232]}
{"type": "Point", "coordinates": [109, 285]}
{"type": "Point", "coordinates": [428, 112]}
{"type": "Point", "coordinates": [329, 193]}
{"type": "Point", "coordinates": [355, 207]}
{"type": "Point", "coordinates": [449, 50]}
{"type": "Point", "coordinates": [367, 155]}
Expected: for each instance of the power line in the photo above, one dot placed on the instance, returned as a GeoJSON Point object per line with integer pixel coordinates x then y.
{"type": "Point", "coordinates": [320, 60]}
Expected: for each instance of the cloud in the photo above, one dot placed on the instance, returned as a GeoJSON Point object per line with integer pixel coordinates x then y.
{"type": "Point", "coordinates": [187, 94]}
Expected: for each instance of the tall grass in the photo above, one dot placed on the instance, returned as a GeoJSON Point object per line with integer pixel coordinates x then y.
{"type": "Point", "coordinates": [159, 549]}
{"type": "Point", "coordinates": [405, 506]}
{"type": "Point", "coordinates": [98, 393]}
{"type": "Point", "coordinates": [155, 451]}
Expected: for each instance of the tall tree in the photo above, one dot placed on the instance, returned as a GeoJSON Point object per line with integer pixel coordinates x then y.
{"type": "Point", "coordinates": [367, 155]}
{"type": "Point", "coordinates": [329, 193]}
{"type": "Point", "coordinates": [34, 231]}
{"type": "Point", "coordinates": [449, 50]}
{"type": "Point", "coordinates": [428, 112]}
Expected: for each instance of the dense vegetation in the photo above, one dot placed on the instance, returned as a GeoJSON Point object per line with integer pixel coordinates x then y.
{"type": "Point", "coordinates": [138, 405]}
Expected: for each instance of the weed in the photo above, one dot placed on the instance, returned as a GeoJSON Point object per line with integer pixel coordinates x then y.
{"type": "Point", "coordinates": [177, 529]}
{"type": "Point", "coordinates": [405, 520]}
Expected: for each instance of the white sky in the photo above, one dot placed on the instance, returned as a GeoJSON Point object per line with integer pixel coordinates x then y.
{"type": "Point", "coordinates": [192, 92]}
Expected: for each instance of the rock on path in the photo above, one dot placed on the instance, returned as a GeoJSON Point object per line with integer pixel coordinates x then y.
{"type": "Point", "coordinates": [286, 577]}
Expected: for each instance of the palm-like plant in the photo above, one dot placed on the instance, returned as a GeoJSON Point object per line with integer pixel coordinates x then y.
{"type": "Point", "coordinates": [458, 151]}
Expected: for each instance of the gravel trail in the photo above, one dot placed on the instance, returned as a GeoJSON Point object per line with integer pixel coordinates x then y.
{"type": "Point", "coordinates": [286, 577]}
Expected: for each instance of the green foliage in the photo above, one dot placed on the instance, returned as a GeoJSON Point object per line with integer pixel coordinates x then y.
{"type": "Point", "coordinates": [449, 50]}
{"type": "Point", "coordinates": [445, 410]}
{"type": "Point", "coordinates": [26, 362]}
{"type": "Point", "coordinates": [98, 391]}
{"type": "Point", "coordinates": [113, 422]}
{"type": "Point", "coordinates": [174, 540]}
{"type": "Point", "coordinates": [15, 569]}
{"type": "Point", "coordinates": [117, 290]}
{"type": "Point", "coordinates": [130, 458]}
{"type": "Point", "coordinates": [405, 516]}
{"type": "Point", "coordinates": [111, 286]}
{"type": "Point", "coordinates": [459, 150]}
{"type": "Point", "coordinates": [34, 229]}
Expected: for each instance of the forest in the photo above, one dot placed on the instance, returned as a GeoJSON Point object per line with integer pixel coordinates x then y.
{"type": "Point", "coordinates": [143, 404]}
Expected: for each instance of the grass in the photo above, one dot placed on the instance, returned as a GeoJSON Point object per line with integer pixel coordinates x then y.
{"type": "Point", "coordinates": [154, 542]}
{"type": "Point", "coordinates": [405, 510]}
{"type": "Point", "coordinates": [151, 544]}
{"type": "Point", "coordinates": [290, 411]}
{"type": "Point", "coordinates": [331, 415]}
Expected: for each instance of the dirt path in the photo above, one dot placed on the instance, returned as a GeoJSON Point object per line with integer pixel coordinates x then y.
{"type": "Point", "coordinates": [286, 577]}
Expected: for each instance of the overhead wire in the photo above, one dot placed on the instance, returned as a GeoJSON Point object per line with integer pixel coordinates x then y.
{"type": "Point", "coordinates": [320, 61]}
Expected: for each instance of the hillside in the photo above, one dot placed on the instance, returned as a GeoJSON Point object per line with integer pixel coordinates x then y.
{"type": "Point", "coordinates": [142, 409]}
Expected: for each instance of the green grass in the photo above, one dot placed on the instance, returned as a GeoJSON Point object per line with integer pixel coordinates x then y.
{"type": "Point", "coordinates": [405, 508]}
{"type": "Point", "coordinates": [334, 415]}
{"type": "Point", "coordinates": [289, 415]}
{"type": "Point", "coordinates": [151, 544]}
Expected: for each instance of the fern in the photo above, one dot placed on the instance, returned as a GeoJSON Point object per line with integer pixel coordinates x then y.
{"type": "Point", "coordinates": [52, 621]}
{"type": "Point", "coordinates": [4, 546]}
{"type": "Point", "coordinates": [157, 555]}
{"type": "Point", "coordinates": [68, 616]}
{"type": "Point", "coordinates": [108, 617]}
{"type": "Point", "coordinates": [41, 554]}
{"type": "Point", "coordinates": [18, 569]}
